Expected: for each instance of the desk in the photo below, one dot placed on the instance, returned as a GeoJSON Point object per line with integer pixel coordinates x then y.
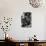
{"type": "Point", "coordinates": [28, 43]}
{"type": "Point", "coordinates": [2, 43]}
{"type": "Point", "coordinates": [31, 43]}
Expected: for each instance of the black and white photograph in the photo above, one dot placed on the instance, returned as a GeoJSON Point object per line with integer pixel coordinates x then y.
{"type": "Point", "coordinates": [26, 19]}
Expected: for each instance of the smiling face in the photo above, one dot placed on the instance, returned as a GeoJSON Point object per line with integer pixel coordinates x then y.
{"type": "Point", "coordinates": [35, 3]}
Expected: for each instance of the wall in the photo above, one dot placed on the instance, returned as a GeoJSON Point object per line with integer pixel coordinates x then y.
{"type": "Point", "coordinates": [45, 28]}
{"type": "Point", "coordinates": [15, 8]}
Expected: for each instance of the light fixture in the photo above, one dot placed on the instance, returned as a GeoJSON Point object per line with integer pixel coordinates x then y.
{"type": "Point", "coordinates": [36, 3]}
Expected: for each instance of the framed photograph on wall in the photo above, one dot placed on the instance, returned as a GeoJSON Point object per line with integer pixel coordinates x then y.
{"type": "Point", "coordinates": [26, 19]}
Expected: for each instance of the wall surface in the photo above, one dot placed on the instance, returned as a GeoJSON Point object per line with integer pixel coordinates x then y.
{"type": "Point", "coordinates": [15, 9]}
